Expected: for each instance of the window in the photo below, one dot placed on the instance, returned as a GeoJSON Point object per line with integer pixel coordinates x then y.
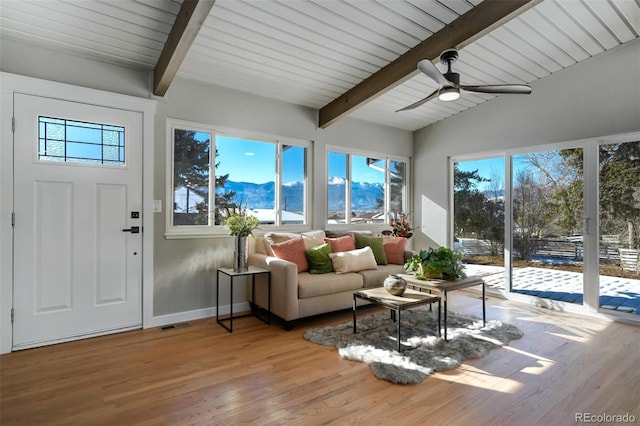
{"type": "Point", "coordinates": [80, 142]}
{"type": "Point", "coordinates": [365, 188]}
{"type": "Point", "coordinates": [212, 169]}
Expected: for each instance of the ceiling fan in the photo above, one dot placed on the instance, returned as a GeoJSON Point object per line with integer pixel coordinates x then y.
{"type": "Point", "coordinates": [449, 86]}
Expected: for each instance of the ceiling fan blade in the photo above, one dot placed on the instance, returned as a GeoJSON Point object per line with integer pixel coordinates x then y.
{"type": "Point", "coordinates": [427, 67]}
{"type": "Point", "coordinates": [420, 102]}
{"type": "Point", "coordinates": [521, 89]}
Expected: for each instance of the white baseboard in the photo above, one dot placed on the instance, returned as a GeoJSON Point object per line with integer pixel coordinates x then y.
{"type": "Point", "coordinates": [193, 315]}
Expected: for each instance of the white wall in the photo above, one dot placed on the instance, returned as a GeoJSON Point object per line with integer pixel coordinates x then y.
{"type": "Point", "coordinates": [185, 269]}
{"type": "Point", "coordinates": [598, 97]}
{"type": "Point", "coordinates": [58, 65]}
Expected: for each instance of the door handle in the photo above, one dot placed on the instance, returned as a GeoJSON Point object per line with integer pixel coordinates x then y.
{"type": "Point", "coordinates": [133, 230]}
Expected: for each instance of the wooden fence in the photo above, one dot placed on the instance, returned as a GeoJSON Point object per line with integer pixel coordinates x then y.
{"type": "Point", "coordinates": [568, 249]}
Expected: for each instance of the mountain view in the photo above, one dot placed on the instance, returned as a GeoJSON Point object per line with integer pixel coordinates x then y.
{"type": "Point", "coordinates": [262, 196]}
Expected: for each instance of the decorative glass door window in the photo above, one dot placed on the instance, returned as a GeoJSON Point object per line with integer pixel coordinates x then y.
{"type": "Point", "coordinates": [80, 142]}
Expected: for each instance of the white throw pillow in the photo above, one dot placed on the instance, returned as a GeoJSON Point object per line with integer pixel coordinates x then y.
{"type": "Point", "coordinates": [353, 260]}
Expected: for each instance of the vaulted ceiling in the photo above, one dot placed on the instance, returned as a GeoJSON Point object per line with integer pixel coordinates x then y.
{"type": "Point", "coordinates": [342, 57]}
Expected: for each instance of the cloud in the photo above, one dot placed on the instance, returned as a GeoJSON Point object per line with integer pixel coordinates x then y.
{"type": "Point", "coordinates": [249, 154]}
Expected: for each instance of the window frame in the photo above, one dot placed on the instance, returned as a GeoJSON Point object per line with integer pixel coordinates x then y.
{"type": "Point", "coordinates": [388, 159]}
{"type": "Point", "coordinates": [212, 230]}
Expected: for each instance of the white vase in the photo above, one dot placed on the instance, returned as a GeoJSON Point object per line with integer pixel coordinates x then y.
{"type": "Point", "coordinates": [240, 254]}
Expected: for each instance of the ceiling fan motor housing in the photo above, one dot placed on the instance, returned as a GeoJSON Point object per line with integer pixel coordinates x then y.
{"type": "Point", "coordinates": [453, 77]}
{"type": "Point", "coordinates": [449, 56]}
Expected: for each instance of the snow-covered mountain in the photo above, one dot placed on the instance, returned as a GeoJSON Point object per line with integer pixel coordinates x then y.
{"type": "Point", "coordinates": [262, 196]}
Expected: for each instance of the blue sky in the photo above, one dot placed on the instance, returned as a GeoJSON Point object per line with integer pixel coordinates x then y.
{"type": "Point", "coordinates": [489, 168]}
{"type": "Point", "coordinates": [255, 159]}
{"type": "Point", "coordinates": [361, 172]}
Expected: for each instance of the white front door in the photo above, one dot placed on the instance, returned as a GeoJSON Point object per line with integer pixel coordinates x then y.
{"type": "Point", "coordinates": [78, 188]}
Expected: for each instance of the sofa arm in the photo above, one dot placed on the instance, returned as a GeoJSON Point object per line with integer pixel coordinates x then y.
{"type": "Point", "coordinates": [408, 254]}
{"type": "Point", "coordinates": [284, 286]}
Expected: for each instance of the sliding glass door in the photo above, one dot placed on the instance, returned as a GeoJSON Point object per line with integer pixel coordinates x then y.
{"type": "Point", "coordinates": [479, 217]}
{"type": "Point", "coordinates": [561, 226]}
{"type": "Point", "coordinates": [547, 225]}
{"type": "Point", "coordinates": [619, 227]}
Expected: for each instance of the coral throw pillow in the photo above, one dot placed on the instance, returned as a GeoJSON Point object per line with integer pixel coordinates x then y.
{"type": "Point", "coordinates": [292, 250]}
{"type": "Point", "coordinates": [394, 248]}
{"type": "Point", "coordinates": [353, 261]}
{"type": "Point", "coordinates": [346, 243]}
{"type": "Point", "coordinates": [311, 239]}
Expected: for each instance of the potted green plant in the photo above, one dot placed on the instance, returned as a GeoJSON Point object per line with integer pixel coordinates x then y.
{"type": "Point", "coordinates": [240, 225]}
{"type": "Point", "coordinates": [441, 263]}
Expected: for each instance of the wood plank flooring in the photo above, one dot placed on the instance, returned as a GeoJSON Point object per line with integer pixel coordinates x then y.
{"type": "Point", "coordinates": [262, 375]}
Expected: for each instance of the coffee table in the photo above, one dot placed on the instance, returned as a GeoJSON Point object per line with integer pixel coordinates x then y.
{"type": "Point", "coordinates": [380, 296]}
{"type": "Point", "coordinates": [444, 287]}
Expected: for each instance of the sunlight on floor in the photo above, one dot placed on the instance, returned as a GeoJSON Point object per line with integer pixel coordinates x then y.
{"type": "Point", "coordinates": [472, 376]}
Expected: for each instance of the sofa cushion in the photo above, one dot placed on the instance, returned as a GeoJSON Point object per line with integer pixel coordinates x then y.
{"type": "Point", "coordinates": [310, 285]}
{"type": "Point", "coordinates": [337, 234]}
{"type": "Point", "coordinates": [394, 249]}
{"type": "Point", "coordinates": [292, 250]}
{"type": "Point", "coordinates": [376, 246]}
{"type": "Point", "coordinates": [319, 260]}
{"type": "Point", "coordinates": [260, 246]}
{"type": "Point", "coordinates": [375, 277]}
{"type": "Point", "coordinates": [311, 239]}
{"type": "Point", "coordinates": [345, 243]}
{"type": "Point", "coordinates": [353, 261]}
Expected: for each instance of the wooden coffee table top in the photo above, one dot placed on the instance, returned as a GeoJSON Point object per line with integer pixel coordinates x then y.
{"type": "Point", "coordinates": [442, 285]}
{"type": "Point", "coordinates": [410, 297]}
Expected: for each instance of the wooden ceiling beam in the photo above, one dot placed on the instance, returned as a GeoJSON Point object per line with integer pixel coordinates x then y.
{"type": "Point", "coordinates": [468, 27]}
{"type": "Point", "coordinates": [188, 22]}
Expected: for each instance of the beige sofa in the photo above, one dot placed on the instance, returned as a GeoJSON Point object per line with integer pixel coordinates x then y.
{"type": "Point", "coordinates": [297, 295]}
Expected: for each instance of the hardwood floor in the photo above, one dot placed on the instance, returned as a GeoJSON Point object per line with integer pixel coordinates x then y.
{"type": "Point", "coordinates": [202, 375]}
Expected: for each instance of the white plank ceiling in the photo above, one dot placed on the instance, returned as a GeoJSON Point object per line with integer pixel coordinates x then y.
{"type": "Point", "coordinates": [308, 52]}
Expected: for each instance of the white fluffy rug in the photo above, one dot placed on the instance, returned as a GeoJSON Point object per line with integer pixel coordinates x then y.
{"type": "Point", "coordinates": [422, 352]}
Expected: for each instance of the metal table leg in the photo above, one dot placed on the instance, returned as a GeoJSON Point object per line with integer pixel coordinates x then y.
{"type": "Point", "coordinates": [354, 313]}
{"type": "Point", "coordinates": [444, 295]}
{"type": "Point", "coordinates": [484, 308]}
{"type": "Point", "coordinates": [439, 316]}
{"type": "Point", "coordinates": [398, 312]}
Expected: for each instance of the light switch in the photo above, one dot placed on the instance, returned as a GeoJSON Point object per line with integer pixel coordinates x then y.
{"type": "Point", "coordinates": [157, 206]}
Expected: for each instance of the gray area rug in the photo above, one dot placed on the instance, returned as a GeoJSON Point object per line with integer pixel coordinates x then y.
{"type": "Point", "coordinates": [422, 352]}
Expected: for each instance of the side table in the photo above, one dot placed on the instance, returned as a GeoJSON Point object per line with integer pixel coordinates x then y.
{"type": "Point", "coordinates": [252, 271]}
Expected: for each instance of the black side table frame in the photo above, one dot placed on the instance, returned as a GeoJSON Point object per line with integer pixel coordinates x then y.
{"type": "Point", "coordinates": [253, 272]}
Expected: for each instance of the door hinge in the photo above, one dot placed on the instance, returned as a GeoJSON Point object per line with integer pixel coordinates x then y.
{"type": "Point", "coordinates": [13, 219]}
{"type": "Point", "coordinates": [12, 314]}
{"type": "Point", "coordinates": [13, 124]}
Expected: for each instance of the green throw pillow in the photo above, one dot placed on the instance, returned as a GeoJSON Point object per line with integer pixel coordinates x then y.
{"type": "Point", "coordinates": [319, 260]}
{"type": "Point", "coordinates": [376, 244]}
